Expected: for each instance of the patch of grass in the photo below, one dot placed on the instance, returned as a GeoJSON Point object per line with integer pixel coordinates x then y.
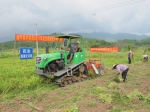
{"type": "Point", "coordinates": [112, 85]}
{"type": "Point", "coordinates": [76, 98]}
{"type": "Point", "coordinates": [14, 105]}
{"type": "Point", "coordinates": [148, 74]}
{"type": "Point", "coordinates": [32, 105]}
{"type": "Point", "coordinates": [118, 79]}
{"type": "Point", "coordinates": [62, 93]}
{"type": "Point", "coordinates": [135, 94]}
{"type": "Point", "coordinates": [147, 99]}
{"type": "Point", "coordinates": [115, 109]}
{"type": "Point", "coordinates": [92, 104]}
{"type": "Point", "coordinates": [148, 88]}
{"type": "Point", "coordinates": [4, 55]}
{"type": "Point", "coordinates": [74, 108]}
{"type": "Point", "coordinates": [120, 109]}
{"type": "Point", "coordinates": [105, 98]}
{"type": "Point", "coordinates": [98, 90]}
{"type": "Point", "coordinates": [119, 99]}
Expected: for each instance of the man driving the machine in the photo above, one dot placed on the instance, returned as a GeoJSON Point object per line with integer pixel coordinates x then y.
{"type": "Point", "coordinates": [73, 48]}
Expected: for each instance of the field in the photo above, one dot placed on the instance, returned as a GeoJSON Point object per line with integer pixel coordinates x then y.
{"type": "Point", "coordinates": [23, 91]}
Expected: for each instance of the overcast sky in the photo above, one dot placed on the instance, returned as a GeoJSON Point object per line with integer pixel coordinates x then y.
{"type": "Point", "coordinates": [73, 16]}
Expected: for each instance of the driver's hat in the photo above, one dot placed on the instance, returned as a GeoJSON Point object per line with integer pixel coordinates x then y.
{"type": "Point", "coordinates": [78, 42]}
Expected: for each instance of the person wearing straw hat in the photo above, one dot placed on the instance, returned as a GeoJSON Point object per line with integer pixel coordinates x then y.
{"type": "Point", "coordinates": [130, 56]}
{"type": "Point", "coordinates": [121, 68]}
{"type": "Point", "coordinates": [73, 48]}
{"type": "Point", "coordinates": [145, 57]}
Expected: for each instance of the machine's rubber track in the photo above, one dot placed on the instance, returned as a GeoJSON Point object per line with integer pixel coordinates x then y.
{"type": "Point", "coordinates": [78, 74]}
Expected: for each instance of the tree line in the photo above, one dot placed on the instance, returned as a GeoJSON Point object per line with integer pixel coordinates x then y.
{"type": "Point", "coordinates": [88, 42]}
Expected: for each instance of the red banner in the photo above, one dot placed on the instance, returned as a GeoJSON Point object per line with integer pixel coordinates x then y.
{"type": "Point", "coordinates": [104, 49]}
{"type": "Point", "coordinates": [39, 38]}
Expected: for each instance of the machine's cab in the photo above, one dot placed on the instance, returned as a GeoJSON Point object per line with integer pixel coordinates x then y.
{"type": "Point", "coordinates": [79, 55]}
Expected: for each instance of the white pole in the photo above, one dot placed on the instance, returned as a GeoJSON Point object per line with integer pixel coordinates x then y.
{"type": "Point", "coordinates": [36, 41]}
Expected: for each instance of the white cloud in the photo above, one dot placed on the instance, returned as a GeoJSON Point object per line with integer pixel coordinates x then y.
{"type": "Point", "coordinates": [65, 16]}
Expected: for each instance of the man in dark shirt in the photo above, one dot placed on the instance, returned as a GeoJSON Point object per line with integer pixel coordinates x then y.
{"type": "Point", "coordinates": [73, 48]}
{"type": "Point", "coordinates": [130, 56]}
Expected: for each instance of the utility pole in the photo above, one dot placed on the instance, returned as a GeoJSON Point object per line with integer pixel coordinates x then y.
{"type": "Point", "coordinates": [36, 41]}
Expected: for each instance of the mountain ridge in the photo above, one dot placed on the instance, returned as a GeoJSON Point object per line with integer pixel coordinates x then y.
{"type": "Point", "coordinates": [114, 37]}
{"type": "Point", "coordinates": [102, 36]}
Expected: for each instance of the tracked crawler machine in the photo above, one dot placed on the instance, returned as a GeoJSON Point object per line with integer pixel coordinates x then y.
{"type": "Point", "coordinates": [55, 64]}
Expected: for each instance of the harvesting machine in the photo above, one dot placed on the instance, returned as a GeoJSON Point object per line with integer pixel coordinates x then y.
{"type": "Point", "coordinates": [55, 64]}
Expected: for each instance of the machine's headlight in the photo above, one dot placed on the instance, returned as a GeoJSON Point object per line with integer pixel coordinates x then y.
{"type": "Point", "coordinates": [45, 58]}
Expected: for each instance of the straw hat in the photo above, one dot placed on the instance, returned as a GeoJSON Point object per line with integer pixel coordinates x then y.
{"type": "Point", "coordinates": [130, 51]}
{"type": "Point", "coordinates": [78, 42]}
{"type": "Point", "coordinates": [114, 66]}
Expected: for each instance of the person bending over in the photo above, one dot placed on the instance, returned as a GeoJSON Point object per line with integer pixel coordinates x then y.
{"type": "Point", "coordinates": [123, 68]}
{"type": "Point", "coordinates": [145, 57]}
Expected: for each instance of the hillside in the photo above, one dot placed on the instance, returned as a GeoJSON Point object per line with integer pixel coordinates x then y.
{"type": "Point", "coordinates": [88, 42]}
{"type": "Point", "coordinates": [114, 37]}
{"type": "Point", "coordinates": [99, 35]}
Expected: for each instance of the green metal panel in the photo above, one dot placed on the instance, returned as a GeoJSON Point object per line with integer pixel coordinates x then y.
{"type": "Point", "coordinates": [46, 58]}
{"type": "Point", "coordinates": [78, 57]}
